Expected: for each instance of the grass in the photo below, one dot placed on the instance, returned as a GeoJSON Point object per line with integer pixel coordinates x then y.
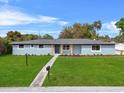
{"type": "Point", "coordinates": [87, 71]}
{"type": "Point", "coordinates": [15, 73]}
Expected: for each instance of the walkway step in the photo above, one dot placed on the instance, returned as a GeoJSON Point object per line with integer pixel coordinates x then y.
{"type": "Point", "coordinates": [38, 81]}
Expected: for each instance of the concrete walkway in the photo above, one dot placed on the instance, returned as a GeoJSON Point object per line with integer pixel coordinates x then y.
{"type": "Point", "coordinates": [38, 81]}
{"type": "Point", "coordinates": [63, 89]}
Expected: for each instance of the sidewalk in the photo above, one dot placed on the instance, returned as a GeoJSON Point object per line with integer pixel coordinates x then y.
{"type": "Point", "coordinates": [38, 81]}
{"type": "Point", "coordinates": [63, 89]}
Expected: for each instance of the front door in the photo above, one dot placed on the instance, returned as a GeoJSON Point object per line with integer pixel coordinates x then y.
{"type": "Point", "coordinates": [57, 49]}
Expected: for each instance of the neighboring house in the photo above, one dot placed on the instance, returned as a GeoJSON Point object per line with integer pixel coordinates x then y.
{"type": "Point", "coordinates": [119, 48]}
{"type": "Point", "coordinates": [63, 47]}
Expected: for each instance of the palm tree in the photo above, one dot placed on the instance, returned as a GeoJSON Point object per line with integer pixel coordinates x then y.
{"type": "Point", "coordinates": [97, 25]}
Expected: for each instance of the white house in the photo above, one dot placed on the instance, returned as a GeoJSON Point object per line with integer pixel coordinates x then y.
{"type": "Point", "coordinates": [63, 47]}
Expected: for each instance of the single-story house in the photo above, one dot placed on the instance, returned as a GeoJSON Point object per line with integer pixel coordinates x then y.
{"type": "Point", "coordinates": [63, 47]}
{"type": "Point", "coordinates": [119, 48]}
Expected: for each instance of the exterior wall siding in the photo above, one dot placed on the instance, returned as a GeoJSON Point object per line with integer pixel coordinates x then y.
{"type": "Point", "coordinates": [76, 49]}
{"type": "Point", "coordinates": [32, 50]}
{"type": "Point", "coordinates": [105, 50]}
{"type": "Point", "coordinates": [66, 52]}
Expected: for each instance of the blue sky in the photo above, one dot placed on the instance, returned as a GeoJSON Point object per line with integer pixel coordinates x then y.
{"type": "Point", "coordinates": [50, 16]}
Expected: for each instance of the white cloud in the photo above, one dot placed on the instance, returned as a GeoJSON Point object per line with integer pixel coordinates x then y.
{"type": "Point", "coordinates": [4, 1]}
{"type": "Point", "coordinates": [48, 19]}
{"type": "Point", "coordinates": [9, 18]}
{"type": "Point", "coordinates": [110, 29]}
{"type": "Point", "coordinates": [63, 23]}
{"type": "Point", "coordinates": [7, 1]}
{"type": "Point", "coordinates": [12, 18]}
{"type": "Point", "coordinates": [110, 26]}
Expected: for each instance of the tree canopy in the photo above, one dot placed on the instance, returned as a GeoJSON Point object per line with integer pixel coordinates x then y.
{"type": "Point", "coordinates": [81, 30]}
{"type": "Point", "coordinates": [47, 36]}
{"type": "Point", "coordinates": [120, 25]}
{"type": "Point", "coordinates": [17, 36]}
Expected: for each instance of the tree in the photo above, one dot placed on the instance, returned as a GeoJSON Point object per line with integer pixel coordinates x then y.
{"type": "Point", "coordinates": [17, 36]}
{"type": "Point", "coordinates": [47, 36]}
{"type": "Point", "coordinates": [67, 33]}
{"type": "Point", "coordinates": [119, 39]}
{"type": "Point", "coordinates": [105, 38]}
{"type": "Point", "coordinates": [81, 31]}
{"type": "Point", "coordinates": [97, 25]}
{"type": "Point", "coordinates": [7, 46]}
{"type": "Point", "coordinates": [120, 25]}
{"type": "Point", "coordinates": [94, 28]}
{"type": "Point", "coordinates": [26, 37]}
{"type": "Point", "coordinates": [2, 48]}
{"type": "Point", "coordinates": [14, 36]}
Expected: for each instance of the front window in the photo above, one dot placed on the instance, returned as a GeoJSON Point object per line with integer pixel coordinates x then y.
{"type": "Point", "coordinates": [15, 46]}
{"type": "Point", "coordinates": [40, 46]}
{"type": "Point", "coordinates": [27, 46]}
{"type": "Point", "coordinates": [21, 46]}
{"type": "Point", "coordinates": [66, 47]}
{"type": "Point", "coordinates": [96, 47]}
{"type": "Point", "coordinates": [32, 45]}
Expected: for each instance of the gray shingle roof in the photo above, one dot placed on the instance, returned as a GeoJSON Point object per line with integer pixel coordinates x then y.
{"type": "Point", "coordinates": [63, 41]}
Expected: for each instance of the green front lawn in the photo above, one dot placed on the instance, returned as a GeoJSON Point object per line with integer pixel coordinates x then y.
{"type": "Point", "coordinates": [14, 72]}
{"type": "Point", "coordinates": [87, 71]}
